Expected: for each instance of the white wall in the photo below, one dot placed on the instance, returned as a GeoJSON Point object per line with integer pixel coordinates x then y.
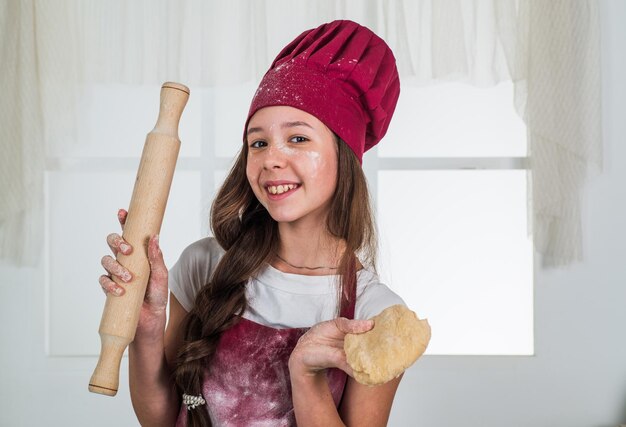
{"type": "Point", "coordinates": [577, 377]}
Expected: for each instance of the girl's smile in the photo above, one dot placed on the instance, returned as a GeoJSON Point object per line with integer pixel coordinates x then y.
{"type": "Point", "coordinates": [278, 190]}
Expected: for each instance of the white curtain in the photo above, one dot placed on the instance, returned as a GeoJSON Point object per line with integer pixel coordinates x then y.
{"type": "Point", "coordinates": [51, 50]}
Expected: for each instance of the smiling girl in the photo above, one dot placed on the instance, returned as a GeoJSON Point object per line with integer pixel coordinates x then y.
{"type": "Point", "coordinates": [258, 313]}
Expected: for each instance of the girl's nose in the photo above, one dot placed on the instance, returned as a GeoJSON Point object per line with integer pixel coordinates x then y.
{"type": "Point", "coordinates": [275, 157]}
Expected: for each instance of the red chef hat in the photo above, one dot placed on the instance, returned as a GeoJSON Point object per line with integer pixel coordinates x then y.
{"type": "Point", "coordinates": [343, 74]}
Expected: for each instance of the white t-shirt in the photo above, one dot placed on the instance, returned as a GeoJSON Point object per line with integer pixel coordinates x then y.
{"type": "Point", "coordinates": [277, 299]}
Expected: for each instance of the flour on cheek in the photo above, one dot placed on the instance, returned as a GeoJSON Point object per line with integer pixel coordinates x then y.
{"type": "Point", "coordinates": [317, 163]}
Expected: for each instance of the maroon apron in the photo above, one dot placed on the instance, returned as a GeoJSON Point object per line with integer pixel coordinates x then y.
{"type": "Point", "coordinates": [248, 382]}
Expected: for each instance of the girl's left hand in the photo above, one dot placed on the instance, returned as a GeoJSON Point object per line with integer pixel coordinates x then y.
{"type": "Point", "coordinates": [321, 347]}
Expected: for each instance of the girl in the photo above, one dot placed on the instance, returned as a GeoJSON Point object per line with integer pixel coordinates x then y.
{"type": "Point", "coordinates": [258, 313]}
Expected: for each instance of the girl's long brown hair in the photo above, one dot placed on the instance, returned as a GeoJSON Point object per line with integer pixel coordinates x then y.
{"type": "Point", "coordinates": [249, 236]}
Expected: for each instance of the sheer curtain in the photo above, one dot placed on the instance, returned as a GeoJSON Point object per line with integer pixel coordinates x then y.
{"type": "Point", "coordinates": [52, 51]}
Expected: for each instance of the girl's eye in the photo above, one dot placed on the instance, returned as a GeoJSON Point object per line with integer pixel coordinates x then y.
{"type": "Point", "coordinates": [258, 144]}
{"type": "Point", "coordinates": [299, 139]}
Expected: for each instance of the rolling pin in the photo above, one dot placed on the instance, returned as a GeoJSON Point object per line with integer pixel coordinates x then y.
{"type": "Point", "coordinates": [145, 215]}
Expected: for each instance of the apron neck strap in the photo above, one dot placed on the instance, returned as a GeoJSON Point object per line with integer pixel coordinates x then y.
{"type": "Point", "coordinates": [348, 294]}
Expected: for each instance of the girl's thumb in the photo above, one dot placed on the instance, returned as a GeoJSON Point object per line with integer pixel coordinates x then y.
{"type": "Point", "coordinates": [362, 325]}
{"type": "Point", "coordinates": [154, 250]}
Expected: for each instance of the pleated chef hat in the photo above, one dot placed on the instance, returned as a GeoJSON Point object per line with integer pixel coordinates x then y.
{"type": "Point", "coordinates": [340, 72]}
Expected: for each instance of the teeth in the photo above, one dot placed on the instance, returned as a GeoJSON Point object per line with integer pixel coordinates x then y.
{"type": "Point", "coordinates": [280, 189]}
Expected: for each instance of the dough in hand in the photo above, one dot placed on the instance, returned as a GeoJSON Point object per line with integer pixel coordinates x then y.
{"type": "Point", "coordinates": [396, 341]}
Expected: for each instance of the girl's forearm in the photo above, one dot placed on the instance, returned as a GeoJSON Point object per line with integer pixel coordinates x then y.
{"type": "Point", "coordinates": [312, 401]}
{"type": "Point", "coordinates": [152, 390]}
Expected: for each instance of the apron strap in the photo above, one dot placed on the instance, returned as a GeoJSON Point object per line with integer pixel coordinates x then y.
{"type": "Point", "coordinates": [348, 294]}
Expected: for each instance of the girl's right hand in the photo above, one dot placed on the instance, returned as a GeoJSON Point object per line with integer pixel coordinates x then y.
{"type": "Point", "coordinates": [155, 300]}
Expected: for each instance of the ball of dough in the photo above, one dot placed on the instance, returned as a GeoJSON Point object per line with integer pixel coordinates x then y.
{"type": "Point", "coordinates": [396, 341]}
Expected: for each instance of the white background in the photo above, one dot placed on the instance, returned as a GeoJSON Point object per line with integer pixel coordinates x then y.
{"type": "Point", "coordinates": [577, 376]}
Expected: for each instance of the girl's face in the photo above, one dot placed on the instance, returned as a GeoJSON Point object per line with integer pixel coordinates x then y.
{"type": "Point", "coordinates": [292, 163]}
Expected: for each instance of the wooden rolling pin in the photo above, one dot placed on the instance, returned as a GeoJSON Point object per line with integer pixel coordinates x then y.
{"type": "Point", "coordinates": [145, 215]}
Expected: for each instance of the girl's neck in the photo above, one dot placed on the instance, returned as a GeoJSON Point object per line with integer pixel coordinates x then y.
{"type": "Point", "coordinates": [309, 250]}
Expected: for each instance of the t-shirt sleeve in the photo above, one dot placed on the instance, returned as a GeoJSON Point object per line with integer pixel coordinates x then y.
{"type": "Point", "coordinates": [193, 270]}
{"type": "Point", "coordinates": [373, 297]}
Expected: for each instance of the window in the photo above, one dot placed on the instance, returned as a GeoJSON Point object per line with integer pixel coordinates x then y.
{"type": "Point", "coordinates": [450, 182]}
